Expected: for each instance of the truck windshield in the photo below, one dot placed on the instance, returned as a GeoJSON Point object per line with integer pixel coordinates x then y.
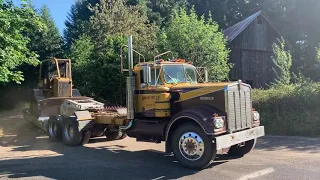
{"type": "Point", "coordinates": [179, 74]}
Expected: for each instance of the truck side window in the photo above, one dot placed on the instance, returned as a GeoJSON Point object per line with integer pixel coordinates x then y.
{"type": "Point", "coordinates": [141, 77]}
{"type": "Point", "coordinates": [154, 77]}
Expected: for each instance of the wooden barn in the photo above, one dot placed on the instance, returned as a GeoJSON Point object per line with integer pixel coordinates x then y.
{"type": "Point", "coordinates": [250, 42]}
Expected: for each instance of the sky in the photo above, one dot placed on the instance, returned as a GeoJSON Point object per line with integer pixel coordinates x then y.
{"type": "Point", "coordinates": [59, 9]}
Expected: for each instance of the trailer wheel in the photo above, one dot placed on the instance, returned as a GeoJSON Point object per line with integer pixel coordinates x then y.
{"type": "Point", "coordinates": [54, 129]}
{"type": "Point", "coordinates": [70, 132]}
{"type": "Point", "coordinates": [192, 147]}
{"type": "Point", "coordinates": [240, 151]}
{"type": "Point", "coordinates": [85, 137]}
{"type": "Point", "coordinates": [116, 135]}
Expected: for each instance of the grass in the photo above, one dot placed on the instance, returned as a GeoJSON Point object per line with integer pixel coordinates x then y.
{"type": "Point", "coordinates": [290, 109]}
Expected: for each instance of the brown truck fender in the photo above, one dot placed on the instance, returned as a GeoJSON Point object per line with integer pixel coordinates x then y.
{"type": "Point", "coordinates": [203, 116]}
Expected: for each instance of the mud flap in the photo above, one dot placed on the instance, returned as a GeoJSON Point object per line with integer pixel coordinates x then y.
{"type": "Point", "coordinates": [85, 125]}
{"type": "Point", "coordinates": [84, 119]}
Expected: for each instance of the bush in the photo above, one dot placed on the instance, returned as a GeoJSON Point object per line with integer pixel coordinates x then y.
{"type": "Point", "coordinates": [290, 109]}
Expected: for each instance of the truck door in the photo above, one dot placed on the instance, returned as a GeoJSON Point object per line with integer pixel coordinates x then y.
{"type": "Point", "coordinates": [149, 91]}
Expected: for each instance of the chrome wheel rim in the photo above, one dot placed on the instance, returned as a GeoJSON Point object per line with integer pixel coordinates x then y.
{"type": "Point", "coordinates": [68, 131]}
{"type": "Point", "coordinates": [53, 129]}
{"type": "Point", "coordinates": [191, 146]}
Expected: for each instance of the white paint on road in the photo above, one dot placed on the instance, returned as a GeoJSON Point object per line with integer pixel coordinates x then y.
{"type": "Point", "coordinates": [10, 174]}
{"type": "Point", "coordinates": [257, 174]}
{"type": "Point", "coordinates": [161, 177]}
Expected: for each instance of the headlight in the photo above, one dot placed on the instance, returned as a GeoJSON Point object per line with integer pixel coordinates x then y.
{"type": "Point", "coordinates": [256, 116]}
{"type": "Point", "coordinates": [218, 122]}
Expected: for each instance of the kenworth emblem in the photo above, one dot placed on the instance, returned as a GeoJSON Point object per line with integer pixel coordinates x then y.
{"type": "Point", "coordinates": [206, 98]}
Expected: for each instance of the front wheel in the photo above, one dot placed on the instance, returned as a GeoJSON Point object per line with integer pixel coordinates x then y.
{"type": "Point", "coordinates": [241, 150]}
{"type": "Point", "coordinates": [192, 147]}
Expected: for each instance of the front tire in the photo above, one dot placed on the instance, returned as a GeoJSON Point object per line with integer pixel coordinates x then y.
{"type": "Point", "coordinates": [54, 129]}
{"type": "Point", "coordinates": [192, 147]}
{"type": "Point", "coordinates": [240, 151]}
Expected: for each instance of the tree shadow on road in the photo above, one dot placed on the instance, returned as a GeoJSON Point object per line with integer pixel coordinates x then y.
{"type": "Point", "coordinates": [302, 144]}
{"type": "Point", "coordinates": [104, 161]}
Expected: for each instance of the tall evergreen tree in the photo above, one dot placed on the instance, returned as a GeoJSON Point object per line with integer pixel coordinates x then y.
{"type": "Point", "coordinates": [48, 42]}
{"type": "Point", "coordinates": [77, 22]}
{"type": "Point", "coordinates": [160, 11]}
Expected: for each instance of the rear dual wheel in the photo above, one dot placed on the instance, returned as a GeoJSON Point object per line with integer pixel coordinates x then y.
{"type": "Point", "coordinates": [116, 135]}
{"type": "Point", "coordinates": [71, 135]}
{"type": "Point", "coordinates": [67, 131]}
{"type": "Point", "coordinates": [54, 129]}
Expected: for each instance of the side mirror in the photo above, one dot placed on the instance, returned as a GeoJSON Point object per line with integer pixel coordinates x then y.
{"type": "Point", "coordinates": [206, 79]}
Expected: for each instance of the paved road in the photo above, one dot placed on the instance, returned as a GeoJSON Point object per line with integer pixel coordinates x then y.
{"type": "Point", "coordinates": [26, 153]}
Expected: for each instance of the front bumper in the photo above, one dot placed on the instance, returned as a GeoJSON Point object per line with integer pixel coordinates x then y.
{"type": "Point", "coordinates": [229, 140]}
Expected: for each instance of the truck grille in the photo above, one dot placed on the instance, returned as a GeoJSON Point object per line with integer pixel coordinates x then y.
{"type": "Point", "coordinates": [239, 107]}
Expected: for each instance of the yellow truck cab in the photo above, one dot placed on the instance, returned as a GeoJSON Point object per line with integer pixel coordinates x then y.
{"type": "Point", "coordinates": [194, 119]}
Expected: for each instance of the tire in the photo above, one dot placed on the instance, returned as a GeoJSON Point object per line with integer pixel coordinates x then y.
{"type": "Point", "coordinates": [204, 151]}
{"type": "Point", "coordinates": [124, 135]}
{"type": "Point", "coordinates": [85, 137]}
{"type": "Point", "coordinates": [70, 132]}
{"type": "Point", "coordinates": [96, 134]}
{"type": "Point", "coordinates": [54, 129]}
{"type": "Point", "coordinates": [116, 135]}
{"type": "Point", "coordinates": [238, 151]}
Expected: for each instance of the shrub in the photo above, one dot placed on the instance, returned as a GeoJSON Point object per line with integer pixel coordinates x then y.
{"type": "Point", "coordinates": [290, 109]}
{"type": "Point", "coordinates": [283, 61]}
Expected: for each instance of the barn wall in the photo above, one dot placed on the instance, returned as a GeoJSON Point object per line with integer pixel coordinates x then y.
{"type": "Point", "coordinates": [251, 53]}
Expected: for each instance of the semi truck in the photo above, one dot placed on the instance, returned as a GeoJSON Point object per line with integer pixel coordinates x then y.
{"type": "Point", "coordinates": [165, 102]}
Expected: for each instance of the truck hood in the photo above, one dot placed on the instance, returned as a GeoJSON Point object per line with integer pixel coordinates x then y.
{"type": "Point", "coordinates": [186, 87]}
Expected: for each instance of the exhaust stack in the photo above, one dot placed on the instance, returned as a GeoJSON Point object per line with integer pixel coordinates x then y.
{"type": "Point", "coordinates": [130, 82]}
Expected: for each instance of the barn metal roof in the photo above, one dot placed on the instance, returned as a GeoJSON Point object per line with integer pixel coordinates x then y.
{"type": "Point", "coordinates": [232, 32]}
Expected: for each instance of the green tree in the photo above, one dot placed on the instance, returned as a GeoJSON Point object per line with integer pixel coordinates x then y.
{"type": "Point", "coordinates": [113, 18]}
{"type": "Point", "coordinates": [47, 43]}
{"type": "Point", "coordinates": [80, 53]}
{"type": "Point", "coordinates": [77, 22]}
{"type": "Point", "coordinates": [96, 55]}
{"type": "Point", "coordinates": [199, 41]}
{"type": "Point", "coordinates": [217, 9]}
{"type": "Point", "coordinates": [318, 55]}
{"type": "Point", "coordinates": [160, 11]}
{"type": "Point", "coordinates": [283, 61]}
{"type": "Point", "coordinates": [16, 24]}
